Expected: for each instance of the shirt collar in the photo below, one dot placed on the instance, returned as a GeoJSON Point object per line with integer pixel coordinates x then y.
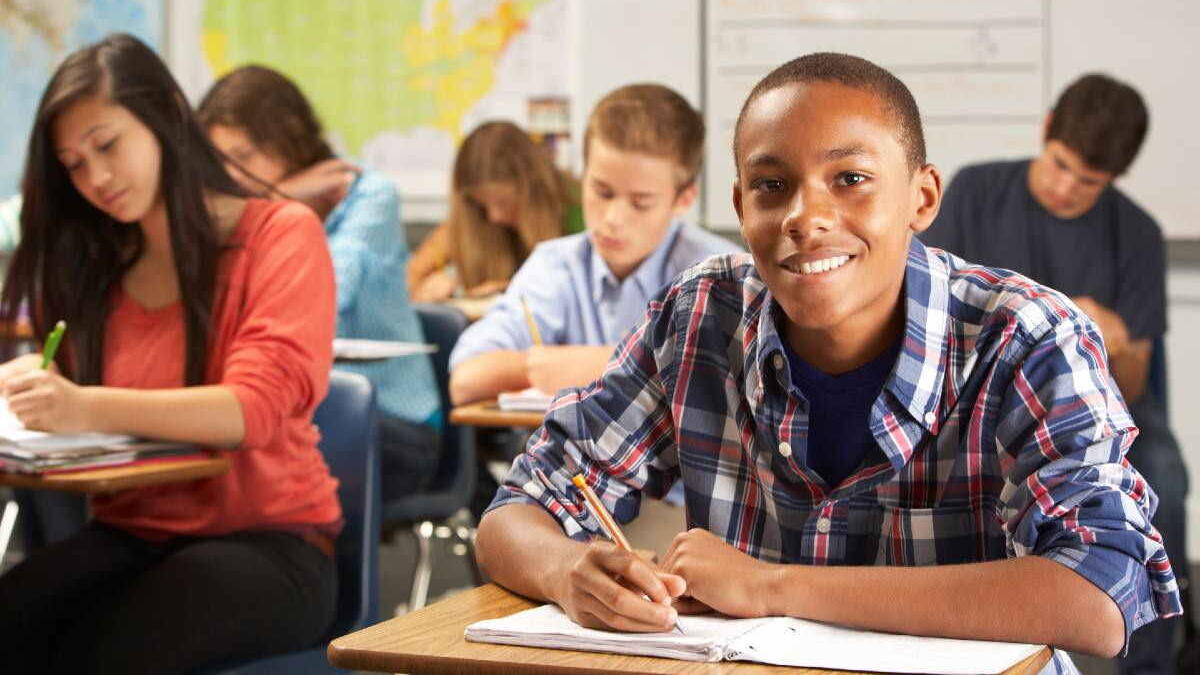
{"type": "Point", "coordinates": [649, 276]}
{"type": "Point", "coordinates": [916, 380]}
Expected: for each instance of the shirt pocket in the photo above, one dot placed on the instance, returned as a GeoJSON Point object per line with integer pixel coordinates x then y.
{"type": "Point", "coordinates": [938, 536]}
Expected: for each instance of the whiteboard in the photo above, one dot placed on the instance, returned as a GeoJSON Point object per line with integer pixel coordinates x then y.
{"type": "Point", "coordinates": [977, 70]}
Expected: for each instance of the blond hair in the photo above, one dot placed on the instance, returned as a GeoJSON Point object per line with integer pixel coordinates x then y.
{"type": "Point", "coordinates": [653, 120]}
{"type": "Point", "coordinates": [500, 152]}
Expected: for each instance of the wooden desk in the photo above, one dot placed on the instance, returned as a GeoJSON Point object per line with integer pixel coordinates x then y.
{"type": "Point", "coordinates": [114, 478]}
{"type": "Point", "coordinates": [488, 414]}
{"type": "Point", "coordinates": [431, 641]}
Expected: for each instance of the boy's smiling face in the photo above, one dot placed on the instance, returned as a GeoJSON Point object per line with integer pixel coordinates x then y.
{"type": "Point", "coordinates": [828, 204]}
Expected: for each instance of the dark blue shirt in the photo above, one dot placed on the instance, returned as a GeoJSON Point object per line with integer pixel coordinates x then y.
{"type": "Point", "coordinates": [1114, 253]}
{"type": "Point", "coordinates": [839, 412]}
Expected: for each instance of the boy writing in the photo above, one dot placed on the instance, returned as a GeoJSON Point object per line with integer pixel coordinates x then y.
{"type": "Point", "coordinates": [642, 152]}
{"type": "Point", "coordinates": [978, 489]}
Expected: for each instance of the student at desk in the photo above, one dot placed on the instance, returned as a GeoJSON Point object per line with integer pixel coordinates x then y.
{"type": "Point", "coordinates": [506, 197]}
{"type": "Point", "coordinates": [195, 315]}
{"type": "Point", "coordinates": [271, 138]}
{"type": "Point", "coordinates": [869, 432]}
{"type": "Point", "coordinates": [642, 152]}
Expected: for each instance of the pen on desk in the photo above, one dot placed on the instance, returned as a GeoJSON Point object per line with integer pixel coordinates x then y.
{"type": "Point", "coordinates": [533, 329]}
{"type": "Point", "coordinates": [51, 346]}
{"type": "Point", "coordinates": [606, 520]}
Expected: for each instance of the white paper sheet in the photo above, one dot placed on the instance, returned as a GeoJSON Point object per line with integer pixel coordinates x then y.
{"type": "Point", "coordinates": [776, 640]}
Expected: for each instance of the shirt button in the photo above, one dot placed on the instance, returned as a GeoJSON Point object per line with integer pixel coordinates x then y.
{"type": "Point", "coordinates": [785, 449]}
{"type": "Point", "coordinates": [823, 525]}
{"type": "Point", "coordinates": [930, 418]}
{"type": "Point", "coordinates": [778, 361]}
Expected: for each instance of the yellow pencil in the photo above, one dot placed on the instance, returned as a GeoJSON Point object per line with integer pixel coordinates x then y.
{"type": "Point", "coordinates": [606, 520]}
{"type": "Point", "coordinates": [533, 329]}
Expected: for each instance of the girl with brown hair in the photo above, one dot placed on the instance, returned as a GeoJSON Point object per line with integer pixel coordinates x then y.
{"type": "Point", "coordinates": [264, 125]}
{"type": "Point", "coordinates": [505, 198]}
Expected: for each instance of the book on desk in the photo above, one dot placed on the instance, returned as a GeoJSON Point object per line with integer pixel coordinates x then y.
{"type": "Point", "coordinates": [27, 451]}
{"type": "Point", "coordinates": [782, 641]}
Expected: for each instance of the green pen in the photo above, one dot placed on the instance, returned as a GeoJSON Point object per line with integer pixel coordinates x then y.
{"type": "Point", "coordinates": [51, 346]}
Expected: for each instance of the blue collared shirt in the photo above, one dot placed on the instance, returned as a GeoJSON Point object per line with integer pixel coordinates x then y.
{"type": "Point", "coordinates": [575, 298]}
{"type": "Point", "coordinates": [369, 257]}
{"type": "Point", "coordinates": [1001, 434]}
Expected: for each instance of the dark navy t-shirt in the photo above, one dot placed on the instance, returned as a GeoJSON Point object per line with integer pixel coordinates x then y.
{"type": "Point", "coordinates": [1113, 253]}
{"type": "Point", "coordinates": [839, 412]}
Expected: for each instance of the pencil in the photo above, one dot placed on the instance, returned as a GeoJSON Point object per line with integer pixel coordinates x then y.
{"type": "Point", "coordinates": [52, 341]}
{"type": "Point", "coordinates": [533, 329]}
{"type": "Point", "coordinates": [606, 520]}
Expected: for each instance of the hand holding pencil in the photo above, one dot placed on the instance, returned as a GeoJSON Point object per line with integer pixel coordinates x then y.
{"type": "Point", "coordinates": [613, 587]}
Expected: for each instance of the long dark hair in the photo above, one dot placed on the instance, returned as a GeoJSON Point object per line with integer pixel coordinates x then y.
{"type": "Point", "coordinates": [72, 255]}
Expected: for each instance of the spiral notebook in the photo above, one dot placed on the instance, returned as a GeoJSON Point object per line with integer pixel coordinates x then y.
{"type": "Point", "coordinates": [779, 641]}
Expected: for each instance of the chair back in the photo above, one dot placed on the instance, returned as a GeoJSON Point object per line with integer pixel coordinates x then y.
{"type": "Point", "coordinates": [454, 482]}
{"type": "Point", "coordinates": [349, 444]}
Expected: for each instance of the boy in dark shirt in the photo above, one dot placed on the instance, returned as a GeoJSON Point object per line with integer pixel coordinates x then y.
{"type": "Point", "coordinates": [1058, 219]}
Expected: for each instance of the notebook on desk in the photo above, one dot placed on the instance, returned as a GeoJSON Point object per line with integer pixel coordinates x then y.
{"type": "Point", "coordinates": [779, 641]}
{"type": "Point", "coordinates": [31, 451]}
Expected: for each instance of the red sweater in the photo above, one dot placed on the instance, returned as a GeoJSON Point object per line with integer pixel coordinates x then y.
{"type": "Point", "coordinates": [272, 345]}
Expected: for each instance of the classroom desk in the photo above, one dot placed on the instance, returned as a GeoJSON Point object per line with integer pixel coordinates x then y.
{"type": "Point", "coordinates": [114, 478]}
{"type": "Point", "coordinates": [431, 640]}
{"type": "Point", "coordinates": [489, 414]}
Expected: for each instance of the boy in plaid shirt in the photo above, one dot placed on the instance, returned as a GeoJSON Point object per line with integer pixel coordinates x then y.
{"type": "Point", "coordinates": [854, 417]}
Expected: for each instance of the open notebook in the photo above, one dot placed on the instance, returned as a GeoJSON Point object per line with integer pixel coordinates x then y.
{"type": "Point", "coordinates": [777, 640]}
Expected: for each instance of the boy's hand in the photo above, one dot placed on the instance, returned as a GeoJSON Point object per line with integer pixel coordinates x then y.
{"type": "Point", "coordinates": [551, 368]}
{"type": "Point", "coordinates": [718, 576]}
{"type": "Point", "coordinates": [611, 589]}
{"type": "Point", "coordinates": [45, 401]}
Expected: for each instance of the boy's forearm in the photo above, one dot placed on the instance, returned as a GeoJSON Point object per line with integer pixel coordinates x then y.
{"type": "Point", "coordinates": [522, 548]}
{"type": "Point", "coordinates": [485, 376]}
{"type": "Point", "coordinates": [1028, 599]}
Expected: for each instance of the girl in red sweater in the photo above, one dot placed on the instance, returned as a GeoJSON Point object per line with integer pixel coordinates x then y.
{"type": "Point", "coordinates": [196, 315]}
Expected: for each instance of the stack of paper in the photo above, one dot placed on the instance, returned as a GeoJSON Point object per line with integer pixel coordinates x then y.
{"type": "Point", "coordinates": [35, 452]}
{"type": "Point", "coordinates": [781, 641]}
{"type": "Point", "coordinates": [531, 400]}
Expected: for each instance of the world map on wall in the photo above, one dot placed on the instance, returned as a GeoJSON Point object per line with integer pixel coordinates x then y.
{"type": "Point", "coordinates": [35, 35]}
{"type": "Point", "coordinates": [398, 84]}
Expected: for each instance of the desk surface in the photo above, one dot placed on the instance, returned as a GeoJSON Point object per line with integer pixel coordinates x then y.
{"type": "Point", "coordinates": [431, 641]}
{"type": "Point", "coordinates": [114, 478]}
{"type": "Point", "coordinates": [488, 414]}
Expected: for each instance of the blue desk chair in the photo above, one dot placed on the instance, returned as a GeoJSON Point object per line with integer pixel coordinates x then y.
{"type": "Point", "coordinates": [346, 419]}
{"type": "Point", "coordinates": [430, 512]}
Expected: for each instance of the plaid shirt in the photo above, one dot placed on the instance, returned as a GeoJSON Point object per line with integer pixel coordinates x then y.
{"type": "Point", "coordinates": [1001, 433]}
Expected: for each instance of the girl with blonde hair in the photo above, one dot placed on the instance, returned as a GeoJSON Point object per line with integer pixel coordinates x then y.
{"type": "Point", "coordinates": [505, 198]}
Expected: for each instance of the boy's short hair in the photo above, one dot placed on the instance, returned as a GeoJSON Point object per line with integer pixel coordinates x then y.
{"type": "Point", "coordinates": [1102, 119]}
{"type": "Point", "coordinates": [857, 73]}
{"type": "Point", "coordinates": [650, 119]}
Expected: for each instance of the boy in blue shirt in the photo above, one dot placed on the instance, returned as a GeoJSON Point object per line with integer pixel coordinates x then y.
{"type": "Point", "coordinates": [989, 496]}
{"type": "Point", "coordinates": [642, 152]}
